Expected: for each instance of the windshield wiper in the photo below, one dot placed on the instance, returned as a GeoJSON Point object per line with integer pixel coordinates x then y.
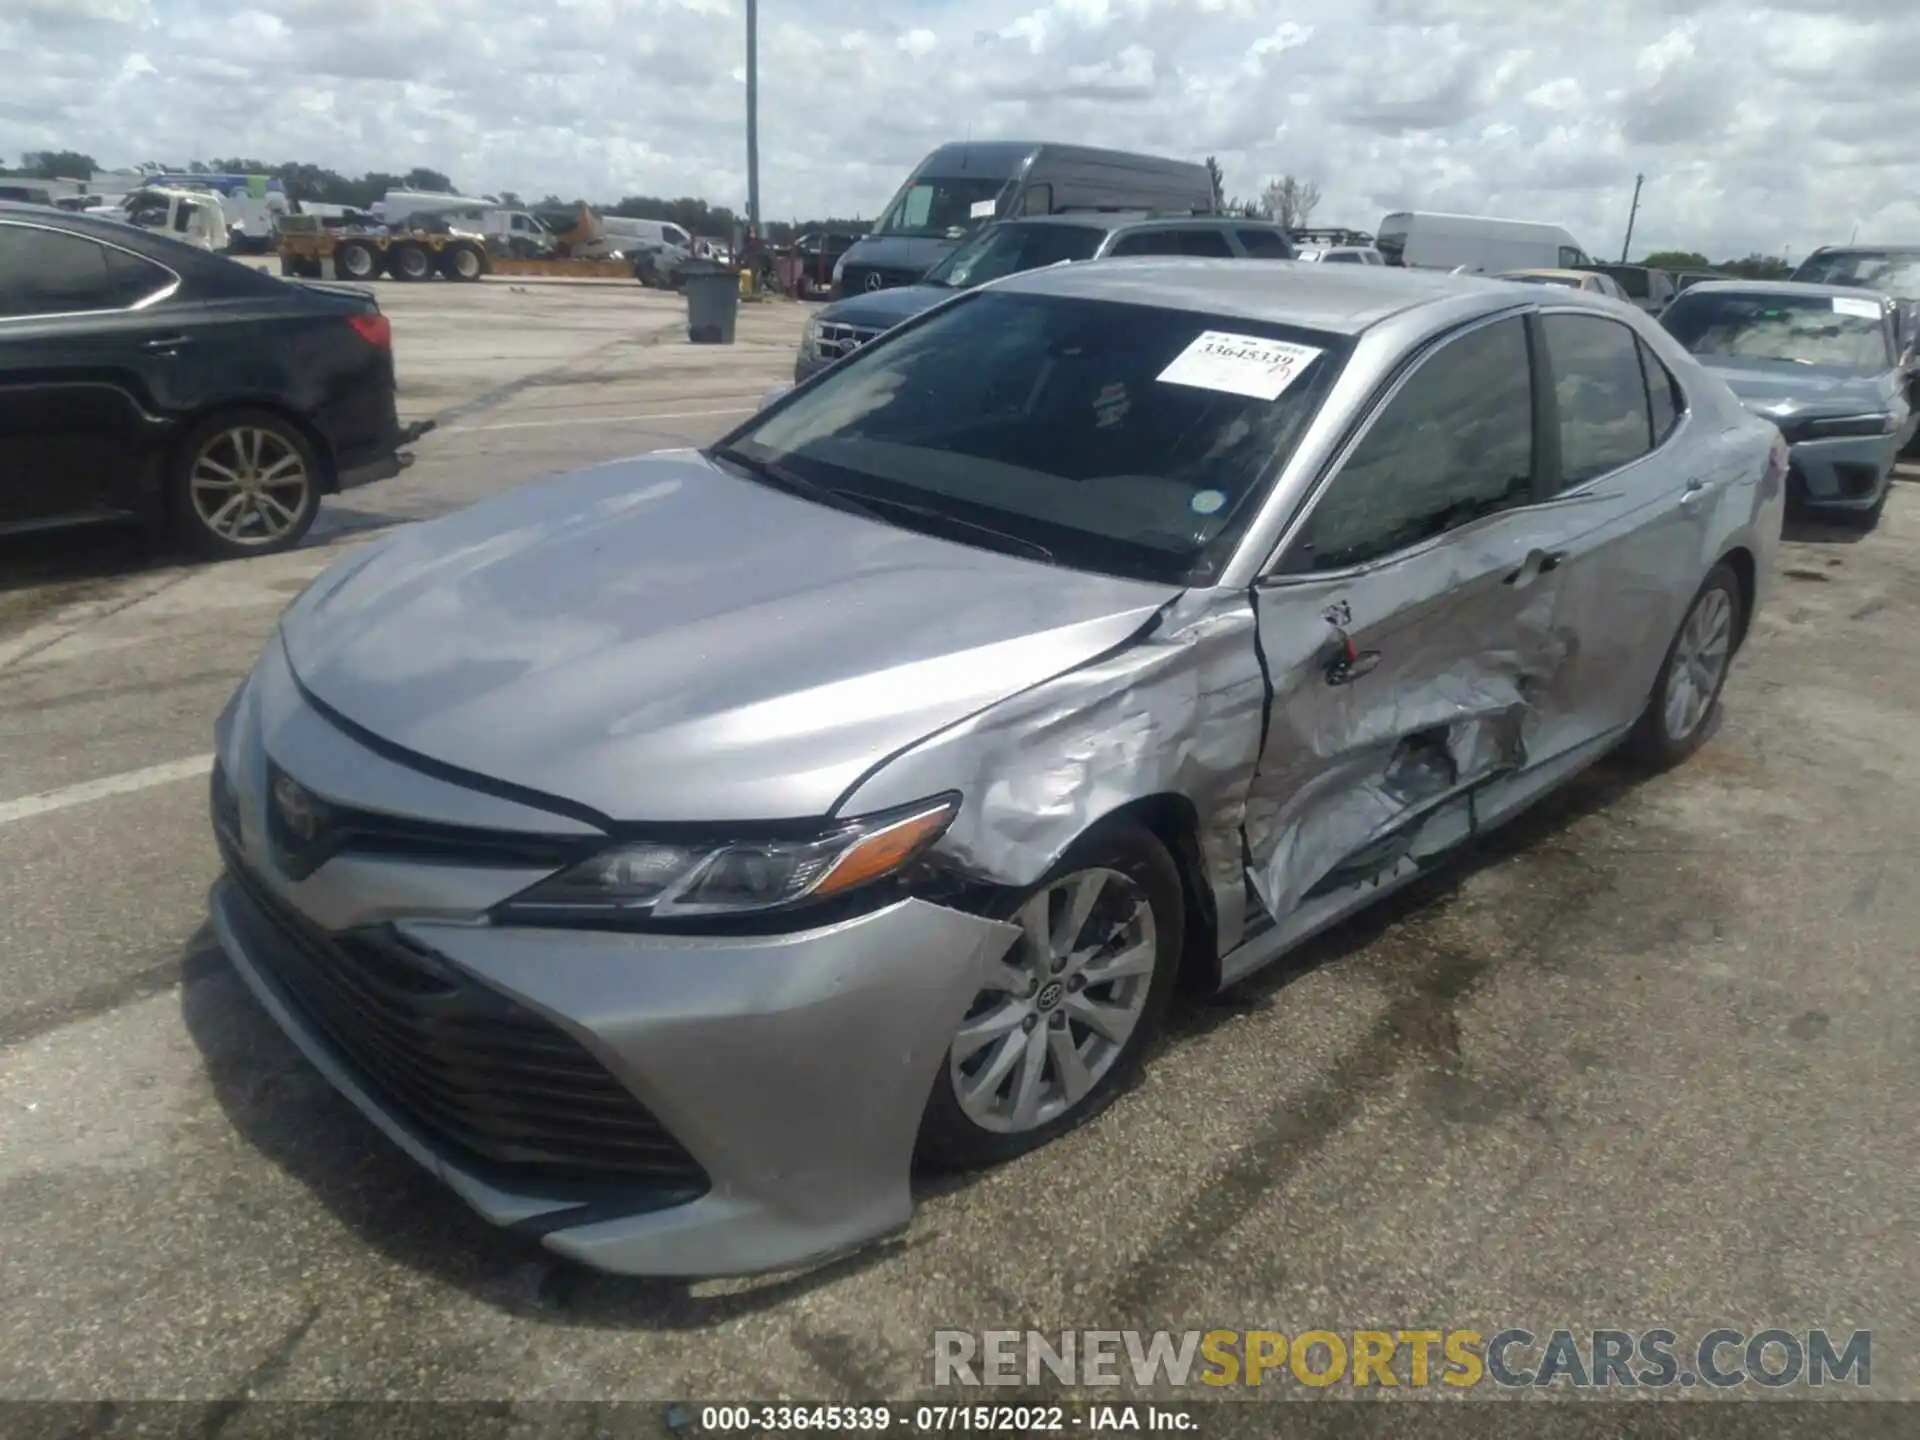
{"type": "Point", "coordinates": [782, 478]}
{"type": "Point", "coordinates": [939, 517]}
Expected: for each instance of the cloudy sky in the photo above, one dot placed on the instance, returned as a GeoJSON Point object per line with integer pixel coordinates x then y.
{"type": "Point", "coordinates": [1769, 128]}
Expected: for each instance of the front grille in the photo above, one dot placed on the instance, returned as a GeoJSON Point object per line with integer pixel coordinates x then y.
{"type": "Point", "coordinates": [859, 279]}
{"type": "Point", "coordinates": [836, 341]}
{"type": "Point", "coordinates": [1794, 430]}
{"type": "Point", "coordinates": [513, 1094]}
{"type": "Point", "coordinates": [1796, 484]}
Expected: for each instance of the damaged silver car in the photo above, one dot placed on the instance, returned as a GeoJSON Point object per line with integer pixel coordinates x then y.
{"type": "Point", "coordinates": [669, 854]}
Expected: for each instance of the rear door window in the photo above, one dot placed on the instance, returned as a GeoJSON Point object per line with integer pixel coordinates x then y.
{"type": "Point", "coordinates": [48, 272]}
{"type": "Point", "coordinates": [1601, 394]}
{"type": "Point", "coordinates": [1264, 244]}
{"type": "Point", "coordinates": [1663, 394]}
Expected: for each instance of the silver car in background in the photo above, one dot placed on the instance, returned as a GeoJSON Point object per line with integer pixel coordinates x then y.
{"type": "Point", "coordinates": [1824, 363]}
{"type": "Point", "coordinates": [668, 855]}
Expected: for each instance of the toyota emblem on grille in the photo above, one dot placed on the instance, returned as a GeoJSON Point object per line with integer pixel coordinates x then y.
{"type": "Point", "coordinates": [873, 280]}
{"type": "Point", "coordinates": [297, 810]}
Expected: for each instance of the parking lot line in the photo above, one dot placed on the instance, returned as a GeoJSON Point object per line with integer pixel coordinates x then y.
{"type": "Point", "coordinates": [597, 420]}
{"type": "Point", "coordinates": [28, 806]}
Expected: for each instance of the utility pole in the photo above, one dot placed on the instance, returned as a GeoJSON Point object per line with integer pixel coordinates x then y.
{"type": "Point", "coordinates": [1625, 245]}
{"type": "Point", "coordinates": [753, 120]}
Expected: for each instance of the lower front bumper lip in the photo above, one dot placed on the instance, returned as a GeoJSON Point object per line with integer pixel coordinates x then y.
{"type": "Point", "coordinates": [794, 1068]}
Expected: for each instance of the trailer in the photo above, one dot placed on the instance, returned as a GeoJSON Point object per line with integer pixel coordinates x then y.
{"type": "Point", "coordinates": [425, 246]}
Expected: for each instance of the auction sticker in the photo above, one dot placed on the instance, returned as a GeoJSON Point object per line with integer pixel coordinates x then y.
{"type": "Point", "coordinates": [1863, 309]}
{"type": "Point", "coordinates": [980, 209]}
{"type": "Point", "coordinates": [1239, 364]}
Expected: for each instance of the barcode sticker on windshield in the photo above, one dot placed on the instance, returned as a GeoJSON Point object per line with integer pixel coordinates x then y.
{"type": "Point", "coordinates": [980, 209]}
{"type": "Point", "coordinates": [1864, 309]}
{"type": "Point", "coordinates": [1239, 364]}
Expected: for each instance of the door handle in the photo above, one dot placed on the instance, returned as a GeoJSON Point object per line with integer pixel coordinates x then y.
{"type": "Point", "coordinates": [1538, 562]}
{"type": "Point", "coordinates": [166, 344]}
{"type": "Point", "coordinates": [1695, 489]}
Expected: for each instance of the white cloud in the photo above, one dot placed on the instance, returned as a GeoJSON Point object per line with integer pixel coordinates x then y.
{"type": "Point", "coordinates": [1784, 124]}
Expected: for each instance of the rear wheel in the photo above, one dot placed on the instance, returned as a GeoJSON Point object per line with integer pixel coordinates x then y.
{"type": "Point", "coordinates": [463, 262]}
{"type": "Point", "coordinates": [356, 260]}
{"type": "Point", "coordinates": [244, 483]}
{"type": "Point", "coordinates": [1687, 692]}
{"type": "Point", "coordinates": [1063, 1019]}
{"type": "Point", "coordinates": [411, 262]}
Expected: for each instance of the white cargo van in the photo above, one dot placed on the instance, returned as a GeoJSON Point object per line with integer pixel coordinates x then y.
{"type": "Point", "coordinates": [1427, 240]}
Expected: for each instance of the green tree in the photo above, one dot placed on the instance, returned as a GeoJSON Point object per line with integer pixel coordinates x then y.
{"type": "Point", "coordinates": [1677, 260]}
{"type": "Point", "coordinates": [1757, 267]}
{"type": "Point", "coordinates": [421, 178]}
{"type": "Point", "coordinates": [1218, 179]}
{"type": "Point", "coordinates": [58, 165]}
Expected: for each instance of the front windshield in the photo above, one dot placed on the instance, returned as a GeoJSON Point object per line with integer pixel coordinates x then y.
{"type": "Point", "coordinates": [1119, 438]}
{"type": "Point", "coordinates": [929, 206]}
{"type": "Point", "coordinates": [1808, 329]}
{"type": "Point", "coordinates": [1008, 249]}
{"type": "Point", "coordinates": [149, 212]}
{"type": "Point", "coordinates": [1869, 269]}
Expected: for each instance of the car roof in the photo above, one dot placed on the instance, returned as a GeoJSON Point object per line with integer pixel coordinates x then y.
{"type": "Point", "coordinates": [1339, 299]}
{"type": "Point", "coordinates": [1788, 287]}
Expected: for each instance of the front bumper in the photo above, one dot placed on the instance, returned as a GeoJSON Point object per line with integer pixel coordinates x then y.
{"type": "Point", "coordinates": [1842, 474]}
{"type": "Point", "coordinates": [791, 1070]}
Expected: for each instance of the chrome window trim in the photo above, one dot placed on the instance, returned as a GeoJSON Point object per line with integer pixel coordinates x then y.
{"type": "Point", "coordinates": [145, 302]}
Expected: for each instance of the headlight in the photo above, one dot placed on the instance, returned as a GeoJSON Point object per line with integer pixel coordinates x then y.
{"type": "Point", "coordinates": [670, 880]}
{"type": "Point", "coordinates": [810, 338]}
{"type": "Point", "coordinates": [1854, 425]}
{"type": "Point", "coordinates": [839, 269]}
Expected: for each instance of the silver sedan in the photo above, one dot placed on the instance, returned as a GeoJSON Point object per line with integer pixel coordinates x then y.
{"type": "Point", "coordinates": [669, 855]}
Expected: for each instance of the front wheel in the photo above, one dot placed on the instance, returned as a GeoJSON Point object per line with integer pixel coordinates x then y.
{"type": "Point", "coordinates": [1063, 1019]}
{"type": "Point", "coordinates": [1687, 692]}
{"type": "Point", "coordinates": [243, 483]}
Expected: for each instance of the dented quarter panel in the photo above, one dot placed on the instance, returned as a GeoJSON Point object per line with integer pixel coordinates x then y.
{"type": "Point", "coordinates": [1177, 712]}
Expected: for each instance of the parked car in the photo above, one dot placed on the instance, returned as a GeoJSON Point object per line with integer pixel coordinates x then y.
{"type": "Point", "coordinates": [146, 379]}
{"type": "Point", "coordinates": [1822, 363]}
{"type": "Point", "coordinates": [26, 194]}
{"type": "Point", "coordinates": [1646, 287]}
{"type": "Point", "coordinates": [1016, 245]}
{"type": "Point", "coordinates": [1342, 255]}
{"type": "Point", "coordinates": [818, 254]}
{"type": "Point", "coordinates": [1591, 281]}
{"type": "Point", "coordinates": [1688, 278]}
{"type": "Point", "coordinates": [667, 854]}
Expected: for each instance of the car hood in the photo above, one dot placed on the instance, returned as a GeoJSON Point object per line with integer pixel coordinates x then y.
{"type": "Point", "coordinates": [900, 252]}
{"type": "Point", "coordinates": [883, 309]}
{"type": "Point", "coordinates": [658, 639]}
{"type": "Point", "coordinates": [1777, 387]}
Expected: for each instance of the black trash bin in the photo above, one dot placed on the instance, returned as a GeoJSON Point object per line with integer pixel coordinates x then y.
{"type": "Point", "coordinates": [713, 301]}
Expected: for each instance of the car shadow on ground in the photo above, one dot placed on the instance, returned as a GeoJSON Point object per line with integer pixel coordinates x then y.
{"type": "Point", "coordinates": [283, 1109]}
{"type": "Point", "coordinates": [69, 563]}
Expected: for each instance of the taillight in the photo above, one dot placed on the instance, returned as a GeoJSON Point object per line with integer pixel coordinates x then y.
{"type": "Point", "coordinates": [374, 329]}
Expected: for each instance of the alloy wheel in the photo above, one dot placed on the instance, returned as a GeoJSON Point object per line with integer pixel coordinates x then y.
{"type": "Point", "coordinates": [1057, 1012]}
{"type": "Point", "coordinates": [249, 485]}
{"type": "Point", "coordinates": [1699, 664]}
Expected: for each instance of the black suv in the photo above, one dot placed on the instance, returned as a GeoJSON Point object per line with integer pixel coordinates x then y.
{"type": "Point", "coordinates": [1027, 244]}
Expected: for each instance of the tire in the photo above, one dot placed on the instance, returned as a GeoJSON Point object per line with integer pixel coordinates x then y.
{"type": "Point", "coordinates": [464, 263]}
{"type": "Point", "coordinates": [1670, 730]}
{"type": "Point", "coordinates": [1015, 1028]}
{"type": "Point", "coordinates": [408, 261]}
{"type": "Point", "coordinates": [213, 509]}
{"type": "Point", "coordinates": [356, 260]}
